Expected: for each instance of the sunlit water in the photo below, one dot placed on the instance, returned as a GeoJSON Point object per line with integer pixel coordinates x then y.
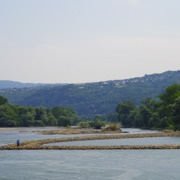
{"type": "Point", "coordinates": [90, 164]}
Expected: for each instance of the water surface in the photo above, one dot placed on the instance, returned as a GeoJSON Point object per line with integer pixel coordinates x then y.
{"type": "Point", "coordinates": [128, 141]}
{"type": "Point", "coordinates": [87, 165]}
{"type": "Point", "coordinates": [90, 165]}
{"type": "Point", "coordinates": [27, 134]}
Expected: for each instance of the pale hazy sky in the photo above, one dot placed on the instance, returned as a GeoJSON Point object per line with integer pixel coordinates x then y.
{"type": "Point", "coordinates": [74, 41]}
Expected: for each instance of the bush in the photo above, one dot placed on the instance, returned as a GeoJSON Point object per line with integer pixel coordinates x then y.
{"type": "Point", "coordinates": [112, 127]}
{"type": "Point", "coordinates": [84, 124]}
{"type": "Point", "coordinates": [98, 124]}
{"type": "Point", "coordinates": [68, 127]}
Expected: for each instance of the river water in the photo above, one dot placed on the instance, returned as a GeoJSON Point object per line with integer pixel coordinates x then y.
{"type": "Point", "coordinates": [89, 164]}
{"type": "Point", "coordinates": [113, 142]}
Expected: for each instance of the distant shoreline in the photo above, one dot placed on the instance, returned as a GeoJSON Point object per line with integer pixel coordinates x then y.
{"type": "Point", "coordinates": [11, 129]}
{"type": "Point", "coordinates": [60, 130]}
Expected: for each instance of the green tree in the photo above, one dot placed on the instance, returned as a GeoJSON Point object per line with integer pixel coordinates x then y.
{"type": "Point", "coordinates": [176, 113]}
{"type": "Point", "coordinates": [8, 116]}
{"type": "Point", "coordinates": [52, 121]}
{"type": "Point", "coordinates": [145, 114]}
{"type": "Point", "coordinates": [124, 109]}
{"type": "Point", "coordinates": [172, 92]}
{"type": "Point", "coordinates": [64, 121]}
{"type": "Point", "coordinates": [3, 100]}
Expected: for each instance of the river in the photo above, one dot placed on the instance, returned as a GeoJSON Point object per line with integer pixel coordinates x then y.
{"type": "Point", "coordinates": [90, 164]}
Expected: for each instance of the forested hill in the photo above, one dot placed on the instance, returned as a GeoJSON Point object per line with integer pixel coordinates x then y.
{"type": "Point", "coordinates": [94, 98]}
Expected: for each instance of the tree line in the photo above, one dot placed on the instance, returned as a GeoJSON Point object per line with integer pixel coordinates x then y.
{"type": "Point", "coordinates": [22, 116]}
{"type": "Point", "coordinates": [162, 113]}
{"type": "Point", "coordinates": [90, 99]}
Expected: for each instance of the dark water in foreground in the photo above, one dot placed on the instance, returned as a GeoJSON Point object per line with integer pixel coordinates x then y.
{"type": "Point", "coordinates": [89, 165]}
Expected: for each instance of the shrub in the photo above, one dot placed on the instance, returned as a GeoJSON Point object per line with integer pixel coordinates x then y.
{"type": "Point", "coordinates": [84, 124]}
{"type": "Point", "coordinates": [98, 124]}
{"type": "Point", "coordinates": [113, 127]}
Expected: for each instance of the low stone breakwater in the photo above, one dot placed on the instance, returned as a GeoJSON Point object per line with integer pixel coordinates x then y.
{"type": "Point", "coordinates": [39, 144]}
{"type": "Point", "coordinates": [79, 131]}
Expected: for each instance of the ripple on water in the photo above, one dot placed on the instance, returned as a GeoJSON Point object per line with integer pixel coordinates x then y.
{"type": "Point", "coordinates": [96, 165]}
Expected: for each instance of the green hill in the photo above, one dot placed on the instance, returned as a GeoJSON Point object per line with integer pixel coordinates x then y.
{"type": "Point", "coordinates": [94, 98]}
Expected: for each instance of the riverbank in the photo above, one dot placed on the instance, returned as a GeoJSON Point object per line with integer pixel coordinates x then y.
{"type": "Point", "coordinates": [39, 144]}
{"type": "Point", "coordinates": [11, 129]}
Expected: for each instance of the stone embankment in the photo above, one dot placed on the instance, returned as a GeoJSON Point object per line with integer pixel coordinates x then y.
{"type": "Point", "coordinates": [38, 144]}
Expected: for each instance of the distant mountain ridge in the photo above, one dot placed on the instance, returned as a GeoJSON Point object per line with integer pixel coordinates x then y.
{"type": "Point", "coordinates": [94, 98]}
{"type": "Point", "coordinates": [6, 84]}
